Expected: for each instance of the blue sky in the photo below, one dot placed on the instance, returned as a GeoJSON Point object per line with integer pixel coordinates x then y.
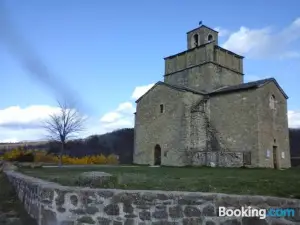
{"type": "Point", "coordinates": [111, 51]}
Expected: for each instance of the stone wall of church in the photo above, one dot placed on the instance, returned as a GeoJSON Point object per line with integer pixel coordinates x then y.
{"type": "Point", "coordinates": [203, 33]}
{"type": "Point", "coordinates": [273, 127]}
{"type": "Point", "coordinates": [221, 76]}
{"type": "Point", "coordinates": [205, 77]}
{"type": "Point", "coordinates": [170, 129]}
{"type": "Point", "coordinates": [228, 59]}
{"type": "Point", "coordinates": [220, 159]}
{"type": "Point", "coordinates": [186, 59]}
{"type": "Point", "coordinates": [233, 120]}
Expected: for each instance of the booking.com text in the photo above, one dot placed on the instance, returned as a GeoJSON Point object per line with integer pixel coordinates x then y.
{"type": "Point", "coordinates": [253, 212]}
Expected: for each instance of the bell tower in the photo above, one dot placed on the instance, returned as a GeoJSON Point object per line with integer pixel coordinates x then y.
{"type": "Point", "coordinates": [204, 66]}
{"type": "Point", "coordinates": [200, 36]}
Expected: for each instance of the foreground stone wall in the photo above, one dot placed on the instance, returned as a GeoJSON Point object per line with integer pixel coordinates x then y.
{"type": "Point", "coordinates": [53, 204]}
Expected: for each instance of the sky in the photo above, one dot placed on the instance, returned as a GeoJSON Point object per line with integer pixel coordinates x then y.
{"type": "Point", "coordinates": [106, 54]}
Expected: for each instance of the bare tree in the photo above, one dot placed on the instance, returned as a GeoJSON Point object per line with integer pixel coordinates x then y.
{"type": "Point", "coordinates": [64, 125]}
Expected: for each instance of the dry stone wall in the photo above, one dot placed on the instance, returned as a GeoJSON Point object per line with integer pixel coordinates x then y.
{"type": "Point", "coordinates": [53, 204]}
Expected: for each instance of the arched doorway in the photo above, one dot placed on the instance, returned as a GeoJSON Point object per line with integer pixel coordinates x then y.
{"type": "Point", "coordinates": [157, 155]}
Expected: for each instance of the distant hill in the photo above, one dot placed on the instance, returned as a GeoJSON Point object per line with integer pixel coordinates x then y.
{"type": "Point", "coordinates": [120, 142]}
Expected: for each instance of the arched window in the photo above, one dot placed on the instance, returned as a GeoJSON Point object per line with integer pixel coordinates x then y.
{"type": "Point", "coordinates": [209, 37]}
{"type": "Point", "coordinates": [272, 102]}
{"type": "Point", "coordinates": [196, 40]}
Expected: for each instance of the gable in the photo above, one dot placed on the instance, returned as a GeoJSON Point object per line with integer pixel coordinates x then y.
{"type": "Point", "coordinates": [247, 86]}
{"type": "Point", "coordinates": [272, 88]}
{"type": "Point", "coordinates": [173, 87]}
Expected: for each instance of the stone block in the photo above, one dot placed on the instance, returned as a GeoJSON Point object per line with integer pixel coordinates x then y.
{"type": "Point", "coordinates": [127, 208]}
{"type": "Point", "coordinates": [231, 222]}
{"type": "Point", "coordinates": [145, 215]}
{"type": "Point", "coordinates": [165, 222]}
{"type": "Point", "coordinates": [209, 210]}
{"type": "Point", "coordinates": [103, 221]}
{"type": "Point", "coordinates": [210, 222]}
{"type": "Point", "coordinates": [60, 199]}
{"type": "Point", "coordinates": [253, 220]}
{"type": "Point", "coordinates": [161, 214]}
{"type": "Point", "coordinates": [175, 212]}
{"type": "Point", "coordinates": [67, 222]}
{"type": "Point", "coordinates": [96, 179]}
{"type": "Point", "coordinates": [192, 211]}
{"type": "Point", "coordinates": [86, 220]}
{"type": "Point", "coordinates": [112, 210]}
{"type": "Point", "coordinates": [74, 200]}
{"type": "Point", "coordinates": [192, 221]}
{"type": "Point", "coordinates": [129, 222]}
{"type": "Point", "coordinates": [48, 217]}
{"type": "Point", "coordinates": [91, 210]}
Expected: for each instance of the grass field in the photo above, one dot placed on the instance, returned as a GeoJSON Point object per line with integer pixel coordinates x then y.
{"type": "Point", "coordinates": [284, 183]}
{"type": "Point", "coordinates": [10, 206]}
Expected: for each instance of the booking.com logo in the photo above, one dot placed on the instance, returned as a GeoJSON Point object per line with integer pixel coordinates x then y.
{"type": "Point", "coordinates": [260, 213]}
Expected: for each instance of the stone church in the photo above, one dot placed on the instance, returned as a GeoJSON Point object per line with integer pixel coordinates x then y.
{"type": "Point", "coordinates": [204, 114]}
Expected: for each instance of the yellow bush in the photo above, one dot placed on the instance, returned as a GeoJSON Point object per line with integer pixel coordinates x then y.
{"type": "Point", "coordinates": [112, 159]}
{"type": "Point", "coordinates": [42, 156]}
{"type": "Point", "coordinates": [10, 155]}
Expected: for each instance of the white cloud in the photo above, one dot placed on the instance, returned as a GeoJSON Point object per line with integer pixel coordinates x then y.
{"type": "Point", "coordinates": [139, 91]}
{"type": "Point", "coordinates": [294, 119]}
{"type": "Point", "coordinates": [18, 124]}
{"type": "Point", "coordinates": [126, 107]}
{"type": "Point", "coordinates": [110, 117]}
{"type": "Point", "coordinates": [31, 114]}
{"type": "Point", "coordinates": [222, 32]}
{"type": "Point", "coordinates": [121, 117]}
{"type": "Point", "coordinates": [265, 42]}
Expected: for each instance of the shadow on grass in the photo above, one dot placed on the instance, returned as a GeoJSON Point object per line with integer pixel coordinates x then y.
{"type": "Point", "coordinates": [9, 202]}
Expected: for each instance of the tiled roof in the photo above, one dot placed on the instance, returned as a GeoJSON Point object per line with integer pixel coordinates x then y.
{"type": "Point", "coordinates": [175, 87]}
{"type": "Point", "coordinates": [223, 90]}
{"type": "Point", "coordinates": [245, 86]}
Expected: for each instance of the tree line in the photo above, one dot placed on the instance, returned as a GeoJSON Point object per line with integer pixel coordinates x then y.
{"type": "Point", "coordinates": [121, 143]}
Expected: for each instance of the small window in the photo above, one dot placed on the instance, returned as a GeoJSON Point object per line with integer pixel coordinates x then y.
{"type": "Point", "coordinates": [209, 37]}
{"type": "Point", "coordinates": [196, 38]}
{"type": "Point", "coordinates": [161, 108]}
{"type": "Point", "coordinates": [272, 102]}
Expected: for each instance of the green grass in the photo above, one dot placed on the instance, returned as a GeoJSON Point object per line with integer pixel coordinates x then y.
{"type": "Point", "coordinates": [283, 183]}
{"type": "Point", "coordinates": [9, 203]}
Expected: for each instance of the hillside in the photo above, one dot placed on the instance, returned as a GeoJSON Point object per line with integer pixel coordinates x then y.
{"type": "Point", "coordinates": [119, 142]}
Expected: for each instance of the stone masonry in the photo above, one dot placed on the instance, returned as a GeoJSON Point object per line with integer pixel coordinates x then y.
{"type": "Point", "coordinates": [52, 204]}
{"type": "Point", "coordinates": [203, 113]}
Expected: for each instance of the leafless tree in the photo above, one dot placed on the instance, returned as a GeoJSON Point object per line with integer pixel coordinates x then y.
{"type": "Point", "coordinates": [64, 125]}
